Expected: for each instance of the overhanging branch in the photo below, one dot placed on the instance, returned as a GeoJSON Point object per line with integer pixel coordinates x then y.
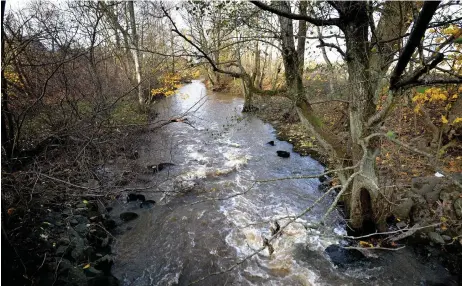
{"type": "Point", "coordinates": [314, 21]}
{"type": "Point", "coordinates": [417, 33]}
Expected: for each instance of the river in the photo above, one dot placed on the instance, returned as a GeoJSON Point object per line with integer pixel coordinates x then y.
{"type": "Point", "coordinates": [221, 216]}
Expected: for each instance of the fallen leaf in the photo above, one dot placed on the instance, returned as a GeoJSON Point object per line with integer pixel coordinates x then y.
{"type": "Point", "coordinates": [86, 266]}
{"type": "Point", "coordinates": [365, 244]}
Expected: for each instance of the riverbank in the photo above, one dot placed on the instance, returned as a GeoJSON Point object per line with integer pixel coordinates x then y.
{"type": "Point", "coordinates": [419, 198]}
{"type": "Point", "coordinates": [62, 235]}
{"type": "Point", "coordinates": [55, 224]}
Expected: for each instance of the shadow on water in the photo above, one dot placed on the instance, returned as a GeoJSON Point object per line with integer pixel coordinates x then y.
{"type": "Point", "coordinates": [179, 240]}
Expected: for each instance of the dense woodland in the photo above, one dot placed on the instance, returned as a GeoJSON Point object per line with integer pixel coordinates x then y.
{"type": "Point", "coordinates": [377, 84]}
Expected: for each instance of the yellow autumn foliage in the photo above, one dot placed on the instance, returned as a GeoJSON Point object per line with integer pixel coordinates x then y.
{"type": "Point", "coordinates": [444, 119]}
{"type": "Point", "coordinates": [432, 94]}
{"type": "Point", "coordinates": [452, 30]}
{"type": "Point", "coordinates": [447, 95]}
{"type": "Point", "coordinates": [13, 78]}
{"type": "Point", "coordinates": [170, 83]}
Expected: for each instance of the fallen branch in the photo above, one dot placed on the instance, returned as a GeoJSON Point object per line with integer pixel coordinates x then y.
{"type": "Point", "coordinates": [374, 248]}
{"type": "Point", "coordinates": [400, 231]}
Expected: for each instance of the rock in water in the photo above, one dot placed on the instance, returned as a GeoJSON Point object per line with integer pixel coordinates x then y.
{"type": "Point", "coordinates": [436, 238]}
{"type": "Point", "coordinates": [159, 167]}
{"type": "Point", "coordinates": [271, 143]}
{"type": "Point", "coordinates": [128, 216]}
{"type": "Point", "coordinates": [323, 178]}
{"type": "Point", "coordinates": [283, 154]}
{"type": "Point", "coordinates": [341, 256]}
{"type": "Point", "coordinates": [135, 197]}
{"type": "Point", "coordinates": [147, 204]}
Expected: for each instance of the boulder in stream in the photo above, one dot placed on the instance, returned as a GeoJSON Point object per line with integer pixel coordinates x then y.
{"type": "Point", "coordinates": [135, 197]}
{"type": "Point", "coordinates": [323, 178]}
{"type": "Point", "coordinates": [342, 257]}
{"type": "Point", "coordinates": [128, 216]}
{"type": "Point", "coordinates": [159, 167]}
{"type": "Point", "coordinates": [283, 154]}
{"type": "Point", "coordinates": [147, 204]}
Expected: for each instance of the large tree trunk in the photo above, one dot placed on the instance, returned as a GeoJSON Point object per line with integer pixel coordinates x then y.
{"type": "Point", "coordinates": [248, 96]}
{"type": "Point", "coordinates": [364, 191]}
{"type": "Point", "coordinates": [367, 68]}
{"type": "Point", "coordinates": [293, 72]}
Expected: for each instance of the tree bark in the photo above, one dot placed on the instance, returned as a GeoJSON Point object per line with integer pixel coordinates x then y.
{"type": "Point", "coordinates": [136, 52]}
{"type": "Point", "coordinates": [7, 123]}
{"type": "Point", "coordinates": [361, 107]}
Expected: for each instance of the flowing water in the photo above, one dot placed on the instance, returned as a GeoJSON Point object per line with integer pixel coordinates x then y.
{"type": "Point", "coordinates": [221, 216]}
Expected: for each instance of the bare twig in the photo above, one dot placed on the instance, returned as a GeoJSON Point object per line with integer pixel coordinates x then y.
{"type": "Point", "coordinates": [374, 248]}
{"type": "Point", "coordinates": [65, 182]}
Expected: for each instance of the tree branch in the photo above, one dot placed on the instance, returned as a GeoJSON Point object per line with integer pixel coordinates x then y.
{"type": "Point", "coordinates": [206, 56]}
{"type": "Point", "coordinates": [417, 33]}
{"type": "Point", "coordinates": [420, 71]}
{"type": "Point", "coordinates": [314, 21]}
{"type": "Point", "coordinates": [324, 44]}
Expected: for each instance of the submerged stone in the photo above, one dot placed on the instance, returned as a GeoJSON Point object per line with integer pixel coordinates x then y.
{"type": "Point", "coordinates": [341, 256]}
{"type": "Point", "coordinates": [128, 216]}
{"type": "Point", "coordinates": [135, 197]}
{"type": "Point", "coordinates": [271, 143]}
{"type": "Point", "coordinates": [283, 154]}
{"type": "Point", "coordinates": [147, 204]}
{"type": "Point", "coordinates": [159, 167]}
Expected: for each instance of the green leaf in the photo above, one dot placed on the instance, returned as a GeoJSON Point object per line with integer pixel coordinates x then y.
{"type": "Point", "coordinates": [458, 40]}
{"type": "Point", "coordinates": [421, 89]}
{"type": "Point", "coordinates": [391, 134]}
